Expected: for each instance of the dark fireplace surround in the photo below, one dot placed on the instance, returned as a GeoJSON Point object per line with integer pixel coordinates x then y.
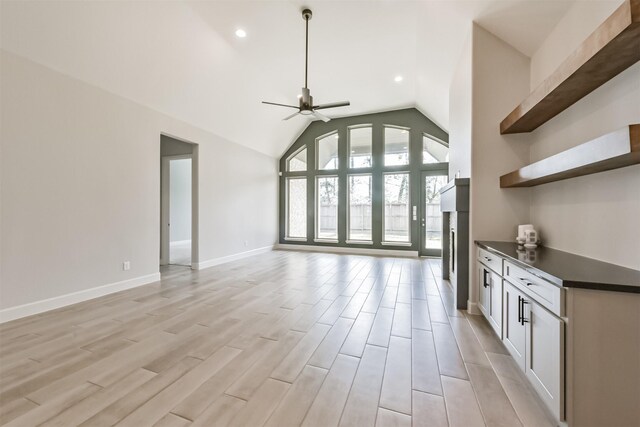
{"type": "Point", "coordinates": [454, 204]}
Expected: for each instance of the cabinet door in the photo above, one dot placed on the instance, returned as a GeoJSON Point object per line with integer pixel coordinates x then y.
{"type": "Point", "coordinates": [484, 297]}
{"type": "Point", "coordinates": [495, 303]}
{"type": "Point", "coordinates": [545, 355]}
{"type": "Point", "coordinates": [514, 332]}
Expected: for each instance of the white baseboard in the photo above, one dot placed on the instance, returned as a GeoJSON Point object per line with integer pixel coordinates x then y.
{"type": "Point", "coordinates": [217, 261]}
{"type": "Point", "coordinates": [343, 250]}
{"type": "Point", "coordinates": [472, 308]}
{"type": "Point", "coordinates": [41, 306]}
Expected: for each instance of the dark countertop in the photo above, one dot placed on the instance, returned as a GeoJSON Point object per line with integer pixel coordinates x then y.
{"type": "Point", "coordinates": [569, 270]}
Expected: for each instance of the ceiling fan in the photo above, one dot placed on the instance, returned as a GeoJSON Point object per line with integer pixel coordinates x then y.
{"type": "Point", "coordinates": [306, 107]}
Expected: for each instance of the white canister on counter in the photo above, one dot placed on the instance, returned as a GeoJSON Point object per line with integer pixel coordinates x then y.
{"type": "Point", "coordinates": [531, 239]}
{"type": "Point", "coordinates": [522, 230]}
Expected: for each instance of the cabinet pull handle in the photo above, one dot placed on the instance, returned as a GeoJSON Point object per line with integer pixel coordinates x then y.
{"type": "Point", "coordinates": [523, 279]}
{"type": "Point", "coordinates": [484, 278]}
{"type": "Point", "coordinates": [524, 319]}
{"type": "Point", "coordinates": [487, 258]}
{"type": "Point", "coordinates": [519, 309]}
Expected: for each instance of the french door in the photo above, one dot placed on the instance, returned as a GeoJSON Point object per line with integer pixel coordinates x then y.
{"type": "Point", "coordinates": [431, 217]}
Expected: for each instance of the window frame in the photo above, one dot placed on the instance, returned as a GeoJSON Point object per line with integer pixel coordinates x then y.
{"type": "Point", "coordinates": [434, 139]}
{"type": "Point", "coordinates": [316, 204]}
{"type": "Point", "coordinates": [348, 210]}
{"type": "Point", "coordinates": [287, 206]}
{"type": "Point", "coordinates": [292, 156]}
{"type": "Point", "coordinates": [349, 129]}
{"type": "Point", "coordinates": [384, 146]}
{"type": "Point", "coordinates": [384, 216]}
{"type": "Point", "coordinates": [411, 120]}
{"type": "Point", "coordinates": [317, 152]}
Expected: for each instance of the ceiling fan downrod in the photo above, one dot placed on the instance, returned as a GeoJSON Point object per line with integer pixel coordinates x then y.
{"type": "Point", "coordinates": [306, 15]}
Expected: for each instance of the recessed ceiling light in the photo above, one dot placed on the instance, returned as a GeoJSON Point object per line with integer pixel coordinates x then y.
{"type": "Point", "coordinates": [397, 79]}
{"type": "Point", "coordinates": [241, 33]}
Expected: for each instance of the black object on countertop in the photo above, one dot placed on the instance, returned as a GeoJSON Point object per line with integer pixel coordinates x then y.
{"type": "Point", "coordinates": [569, 270]}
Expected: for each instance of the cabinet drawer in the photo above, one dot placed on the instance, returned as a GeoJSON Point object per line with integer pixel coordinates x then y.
{"type": "Point", "coordinates": [492, 261]}
{"type": "Point", "coordinates": [548, 295]}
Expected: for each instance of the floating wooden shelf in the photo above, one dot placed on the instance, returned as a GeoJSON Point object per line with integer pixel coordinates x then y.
{"type": "Point", "coordinates": [611, 151]}
{"type": "Point", "coordinates": [612, 48]}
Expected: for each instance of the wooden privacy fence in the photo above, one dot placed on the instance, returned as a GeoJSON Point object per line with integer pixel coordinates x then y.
{"type": "Point", "coordinates": [396, 218]}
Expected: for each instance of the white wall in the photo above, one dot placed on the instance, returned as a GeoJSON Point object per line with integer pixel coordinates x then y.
{"type": "Point", "coordinates": [500, 81]}
{"type": "Point", "coordinates": [180, 199]}
{"type": "Point", "coordinates": [460, 114]}
{"type": "Point", "coordinates": [80, 176]}
{"type": "Point", "coordinates": [573, 28]}
{"type": "Point", "coordinates": [595, 215]}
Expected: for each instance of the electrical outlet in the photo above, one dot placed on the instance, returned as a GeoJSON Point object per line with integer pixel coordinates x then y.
{"type": "Point", "coordinates": [246, 243]}
{"type": "Point", "coordinates": [126, 265]}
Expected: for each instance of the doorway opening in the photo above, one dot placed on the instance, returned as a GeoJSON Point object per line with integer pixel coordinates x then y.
{"type": "Point", "coordinates": [178, 202]}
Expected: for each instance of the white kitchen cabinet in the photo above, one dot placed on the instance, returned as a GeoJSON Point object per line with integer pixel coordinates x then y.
{"type": "Point", "coordinates": [514, 331]}
{"type": "Point", "coordinates": [545, 355]}
{"type": "Point", "coordinates": [578, 347]}
{"type": "Point", "coordinates": [490, 297]}
{"type": "Point", "coordinates": [535, 338]}
{"type": "Point", "coordinates": [495, 308]}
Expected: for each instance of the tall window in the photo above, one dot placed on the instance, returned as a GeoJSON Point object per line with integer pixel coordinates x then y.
{"type": "Point", "coordinates": [298, 162]}
{"type": "Point", "coordinates": [434, 151]}
{"type": "Point", "coordinates": [396, 146]}
{"type": "Point", "coordinates": [296, 226]}
{"type": "Point", "coordinates": [396, 207]}
{"type": "Point", "coordinates": [360, 147]}
{"type": "Point", "coordinates": [365, 181]}
{"type": "Point", "coordinates": [360, 204]}
{"type": "Point", "coordinates": [327, 208]}
{"type": "Point", "coordinates": [328, 152]}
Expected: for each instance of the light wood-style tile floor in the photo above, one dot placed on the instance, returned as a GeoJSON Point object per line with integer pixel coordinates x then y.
{"type": "Point", "coordinates": [280, 339]}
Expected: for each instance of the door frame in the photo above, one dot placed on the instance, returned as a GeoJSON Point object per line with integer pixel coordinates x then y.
{"type": "Point", "coordinates": [422, 250]}
{"type": "Point", "coordinates": [165, 206]}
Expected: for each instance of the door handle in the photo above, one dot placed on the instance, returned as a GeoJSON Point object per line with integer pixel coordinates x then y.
{"type": "Point", "coordinates": [519, 309]}
{"type": "Point", "coordinates": [523, 320]}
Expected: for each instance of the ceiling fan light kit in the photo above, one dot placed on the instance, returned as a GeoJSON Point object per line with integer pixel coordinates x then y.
{"type": "Point", "coordinates": [306, 107]}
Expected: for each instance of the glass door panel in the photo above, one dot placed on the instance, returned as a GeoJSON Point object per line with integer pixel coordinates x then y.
{"type": "Point", "coordinates": [431, 224]}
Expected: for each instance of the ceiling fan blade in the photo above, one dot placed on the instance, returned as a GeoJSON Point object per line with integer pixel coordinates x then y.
{"type": "Point", "coordinates": [292, 116]}
{"type": "Point", "coordinates": [320, 116]}
{"type": "Point", "coordinates": [332, 105]}
{"type": "Point", "coordinates": [280, 105]}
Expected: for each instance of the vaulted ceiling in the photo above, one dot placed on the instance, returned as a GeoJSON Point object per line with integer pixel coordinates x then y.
{"type": "Point", "coordinates": [183, 58]}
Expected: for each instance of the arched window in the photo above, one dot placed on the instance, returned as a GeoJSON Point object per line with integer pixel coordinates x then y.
{"type": "Point", "coordinates": [360, 139]}
{"type": "Point", "coordinates": [298, 161]}
{"type": "Point", "coordinates": [434, 150]}
{"type": "Point", "coordinates": [327, 151]}
{"type": "Point", "coordinates": [359, 180]}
